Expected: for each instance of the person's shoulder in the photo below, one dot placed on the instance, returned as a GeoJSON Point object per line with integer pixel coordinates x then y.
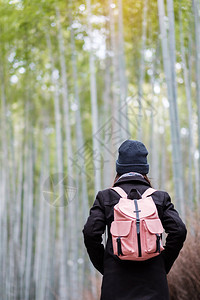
{"type": "Point", "coordinates": [162, 192]}
{"type": "Point", "coordinates": [108, 196]}
{"type": "Point", "coordinates": [161, 196]}
{"type": "Point", "coordinates": [106, 191]}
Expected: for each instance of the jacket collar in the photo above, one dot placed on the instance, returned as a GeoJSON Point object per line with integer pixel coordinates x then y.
{"type": "Point", "coordinates": [134, 178]}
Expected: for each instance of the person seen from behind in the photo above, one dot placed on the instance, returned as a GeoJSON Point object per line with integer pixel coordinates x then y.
{"type": "Point", "coordinates": [127, 273]}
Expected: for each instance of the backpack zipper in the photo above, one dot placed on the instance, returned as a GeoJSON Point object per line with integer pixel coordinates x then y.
{"type": "Point", "coordinates": [138, 228]}
{"type": "Point", "coordinates": [119, 246]}
{"type": "Point", "coordinates": [158, 243]}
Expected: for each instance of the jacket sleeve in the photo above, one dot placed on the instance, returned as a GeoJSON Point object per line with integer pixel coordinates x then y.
{"type": "Point", "coordinates": [92, 232]}
{"type": "Point", "coordinates": [176, 230]}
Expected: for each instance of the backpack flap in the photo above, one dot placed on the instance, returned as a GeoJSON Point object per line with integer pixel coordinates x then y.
{"type": "Point", "coordinates": [145, 206]}
{"type": "Point", "coordinates": [154, 226]}
{"type": "Point", "coordinates": [120, 228]}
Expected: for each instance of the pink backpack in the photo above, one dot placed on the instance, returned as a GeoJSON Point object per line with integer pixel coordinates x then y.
{"type": "Point", "coordinates": [136, 230]}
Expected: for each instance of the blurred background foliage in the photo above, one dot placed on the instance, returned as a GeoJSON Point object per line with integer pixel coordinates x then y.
{"type": "Point", "coordinates": [78, 78]}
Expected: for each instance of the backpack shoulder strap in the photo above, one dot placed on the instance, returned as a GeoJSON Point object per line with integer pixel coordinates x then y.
{"type": "Point", "coordinates": [148, 192]}
{"type": "Point", "coordinates": [120, 191]}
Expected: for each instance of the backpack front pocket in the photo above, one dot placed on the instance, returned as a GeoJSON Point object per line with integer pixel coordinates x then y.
{"type": "Point", "coordinates": [153, 235]}
{"type": "Point", "coordinates": [122, 237]}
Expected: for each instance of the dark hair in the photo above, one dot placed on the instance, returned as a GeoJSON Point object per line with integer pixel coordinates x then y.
{"type": "Point", "coordinates": [145, 177]}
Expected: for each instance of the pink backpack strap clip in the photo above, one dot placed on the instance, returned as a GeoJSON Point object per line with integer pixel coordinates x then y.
{"type": "Point", "coordinates": [120, 191]}
{"type": "Point", "coordinates": [148, 192]}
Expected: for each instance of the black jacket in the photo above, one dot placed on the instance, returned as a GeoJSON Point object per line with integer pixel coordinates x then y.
{"type": "Point", "coordinates": [124, 280]}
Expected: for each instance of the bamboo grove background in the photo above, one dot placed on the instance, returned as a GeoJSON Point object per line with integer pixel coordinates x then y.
{"type": "Point", "coordinates": [78, 78]}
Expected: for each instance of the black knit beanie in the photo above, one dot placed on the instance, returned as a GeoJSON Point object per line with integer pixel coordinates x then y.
{"type": "Point", "coordinates": [132, 157]}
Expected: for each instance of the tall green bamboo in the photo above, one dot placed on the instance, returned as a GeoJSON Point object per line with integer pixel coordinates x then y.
{"type": "Point", "coordinates": [94, 105]}
{"type": "Point", "coordinates": [63, 291]}
{"type": "Point", "coordinates": [197, 71]}
{"type": "Point", "coordinates": [169, 65]}
{"type": "Point", "coordinates": [141, 74]}
{"type": "Point", "coordinates": [190, 117]}
{"type": "Point", "coordinates": [122, 77]}
{"type": "Point", "coordinates": [72, 207]}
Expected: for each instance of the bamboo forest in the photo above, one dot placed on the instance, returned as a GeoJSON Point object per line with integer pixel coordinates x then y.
{"type": "Point", "coordinates": [77, 78]}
